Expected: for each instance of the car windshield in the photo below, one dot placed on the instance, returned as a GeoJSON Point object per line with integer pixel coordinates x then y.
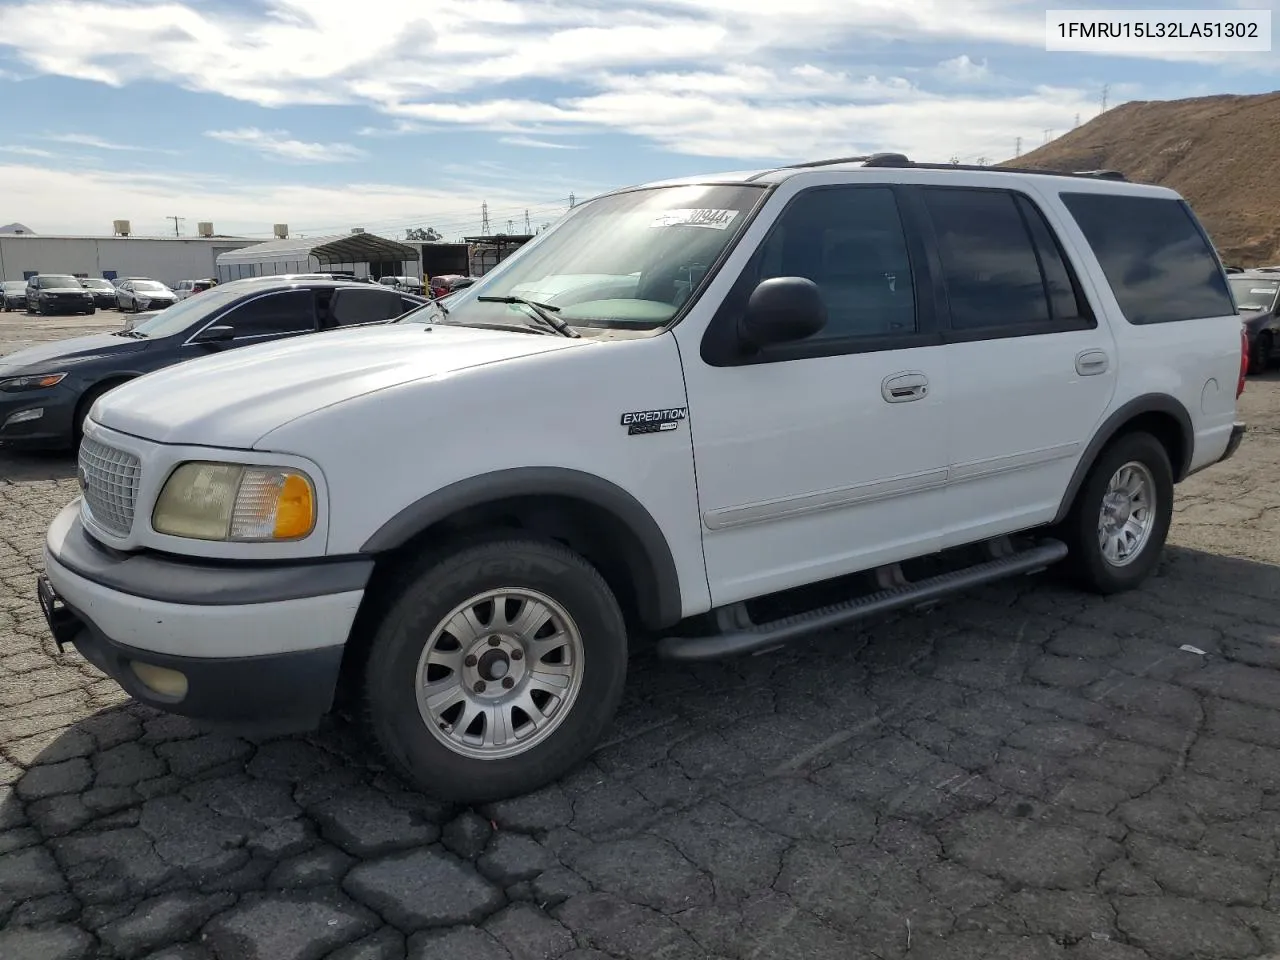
{"type": "Point", "coordinates": [185, 313]}
{"type": "Point", "coordinates": [15, 285]}
{"type": "Point", "coordinates": [56, 281]}
{"type": "Point", "coordinates": [98, 284]}
{"type": "Point", "coordinates": [627, 261]}
{"type": "Point", "coordinates": [1254, 294]}
{"type": "Point", "coordinates": [149, 286]}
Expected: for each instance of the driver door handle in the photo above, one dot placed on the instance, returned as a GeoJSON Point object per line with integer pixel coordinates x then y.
{"type": "Point", "coordinates": [905, 387]}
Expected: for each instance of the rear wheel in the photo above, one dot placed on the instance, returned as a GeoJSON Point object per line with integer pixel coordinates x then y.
{"type": "Point", "coordinates": [1260, 355]}
{"type": "Point", "coordinates": [1119, 522]}
{"type": "Point", "coordinates": [496, 669]}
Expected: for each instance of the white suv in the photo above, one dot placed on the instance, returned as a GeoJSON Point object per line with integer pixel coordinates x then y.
{"type": "Point", "coordinates": [659, 418]}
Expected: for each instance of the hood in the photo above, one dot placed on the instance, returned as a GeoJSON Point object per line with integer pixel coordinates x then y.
{"type": "Point", "coordinates": [154, 294]}
{"type": "Point", "coordinates": [44, 356]}
{"type": "Point", "coordinates": [235, 398]}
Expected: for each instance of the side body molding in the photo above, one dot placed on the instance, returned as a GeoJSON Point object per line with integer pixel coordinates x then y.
{"type": "Point", "coordinates": [1148, 403]}
{"type": "Point", "coordinates": [648, 559]}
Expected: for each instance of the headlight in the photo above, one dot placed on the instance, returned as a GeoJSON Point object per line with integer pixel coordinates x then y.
{"type": "Point", "coordinates": [34, 382]}
{"type": "Point", "coordinates": [226, 501]}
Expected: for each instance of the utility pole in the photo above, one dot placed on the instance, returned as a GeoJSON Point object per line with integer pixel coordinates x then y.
{"type": "Point", "coordinates": [484, 219]}
{"type": "Point", "coordinates": [176, 221]}
{"type": "Point", "coordinates": [511, 227]}
{"type": "Point", "coordinates": [1017, 147]}
{"type": "Point", "coordinates": [1106, 87]}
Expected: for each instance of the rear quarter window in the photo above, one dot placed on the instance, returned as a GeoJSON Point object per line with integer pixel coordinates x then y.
{"type": "Point", "coordinates": [1156, 258]}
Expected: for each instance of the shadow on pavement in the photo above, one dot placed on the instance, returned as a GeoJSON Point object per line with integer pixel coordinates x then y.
{"type": "Point", "coordinates": [1023, 769]}
{"type": "Point", "coordinates": [16, 466]}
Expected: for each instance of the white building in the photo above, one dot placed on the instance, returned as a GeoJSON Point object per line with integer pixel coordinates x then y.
{"type": "Point", "coordinates": [167, 259]}
{"type": "Point", "coordinates": [359, 253]}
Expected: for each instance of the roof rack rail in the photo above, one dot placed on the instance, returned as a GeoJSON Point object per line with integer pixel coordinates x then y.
{"type": "Point", "coordinates": [901, 161]}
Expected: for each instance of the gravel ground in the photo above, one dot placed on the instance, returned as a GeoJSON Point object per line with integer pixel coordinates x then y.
{"type": "Point", "coordinates": [1023, 773]}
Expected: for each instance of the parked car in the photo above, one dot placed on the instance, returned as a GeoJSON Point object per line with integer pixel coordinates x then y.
{"type": "Point", "coordinates": [186, 288]}
{"type": "Point", "coordinates": [906, 380]}
{"type": "Point", "coordinates": [57, 293]}
{"type": "Point", "coordinates": [14, 293]}
{"type": "Point", "coordinates": [1257, 294]}
{"type": "Point", "coordinates": [405, 284]}
{"type": "Point", "coordinates": [145, 295]}
{"type": "Point", "coordinates": [445, 284]}
{"type": "Point", "coordinates": [47, 390]}
{"type": "Point", "coordinates": [103, 291]}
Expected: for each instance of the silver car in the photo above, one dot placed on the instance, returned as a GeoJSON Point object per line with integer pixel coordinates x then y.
{"type": "Point", "coordinates": [137, 294]}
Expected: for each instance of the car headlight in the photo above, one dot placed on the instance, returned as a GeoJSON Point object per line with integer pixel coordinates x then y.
{"type": "Point", "coordinates": [203, 500]}
{"type": "Point", "coordinates": [36, 381]}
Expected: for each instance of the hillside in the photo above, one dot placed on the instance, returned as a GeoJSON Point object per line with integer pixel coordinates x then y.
{"type": "Point", "coordinates": [1222, 153]}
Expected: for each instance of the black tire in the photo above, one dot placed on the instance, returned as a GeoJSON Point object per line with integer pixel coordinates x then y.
{"type": "Point", "coordinates": [429, 593]}
{"type": "Point", "coordinates": [1260, 355]}
{"type": "Point", "coordinates": [1086, 561]}
{"type": "Point", "coordinates": [85, 404]}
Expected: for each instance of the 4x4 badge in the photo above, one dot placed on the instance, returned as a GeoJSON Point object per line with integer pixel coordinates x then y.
{"type": "Point", "coordinates": [653, 421]}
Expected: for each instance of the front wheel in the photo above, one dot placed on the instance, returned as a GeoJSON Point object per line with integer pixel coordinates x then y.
{"type": "Point", "coordinates": [1117, 527]}
{"type": "Point", "coordinates": [496, 669]}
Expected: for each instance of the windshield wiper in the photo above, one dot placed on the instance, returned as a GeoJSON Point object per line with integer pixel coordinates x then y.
{"type": "Point", "coordinates": [543, 311]}
{"type": "Point", "coordinates": [136, 334]}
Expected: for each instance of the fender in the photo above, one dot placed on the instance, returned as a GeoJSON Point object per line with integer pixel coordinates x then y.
{"type": "Point", "coordinates": [1147, 403]}
{"type": "Point", "coordinates": [654, 571]}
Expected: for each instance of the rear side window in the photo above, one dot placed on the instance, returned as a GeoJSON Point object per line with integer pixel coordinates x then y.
{"type": "Point", "coordinates": [1156, 258]}
{"type": "Point", "coordinates": [364, 306]}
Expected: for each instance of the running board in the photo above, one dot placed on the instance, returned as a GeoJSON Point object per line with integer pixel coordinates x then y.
{"type": "Point", "coordinates": [746, 637]}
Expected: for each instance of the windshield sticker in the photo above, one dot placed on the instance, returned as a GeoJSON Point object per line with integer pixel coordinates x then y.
{"type": "Point", "coordinates": [1263, 290]}
{"type": "Point", "coordinates": [714, 219]}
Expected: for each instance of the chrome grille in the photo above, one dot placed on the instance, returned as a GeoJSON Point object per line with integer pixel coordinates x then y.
{"type": "Point", "coordinates": [109, 479]}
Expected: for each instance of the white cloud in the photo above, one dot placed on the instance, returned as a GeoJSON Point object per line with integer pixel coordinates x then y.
{"type": "Point", "coordinates": [962, 69]}
{"type": "Point", "coordinates": [278, 145]}
{"type": "Point", "coordinates": [539, 144]}
{"type": "Point", "coordinates": [98, 143]}
{"type": "Point", "coordinates": [19, 150]}
{"type": "Point", "coordinates": [62, 201]}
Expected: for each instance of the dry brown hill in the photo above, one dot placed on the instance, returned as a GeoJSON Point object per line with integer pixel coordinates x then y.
{"type": "Point", "coordinates": [1222, 153]}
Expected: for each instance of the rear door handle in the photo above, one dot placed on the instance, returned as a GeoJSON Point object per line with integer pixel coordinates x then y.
{"type": "Point", "coordinates": [904, 387]}
{"type": "Point", "coordinates": [1090, 363]}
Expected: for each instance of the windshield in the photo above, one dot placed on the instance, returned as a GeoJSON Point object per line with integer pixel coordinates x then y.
{"type": "Point", "coordinates": [15, 284]}
{"type": "Point", "coordinates": [98, 284]}
{"type": "Point", "coordinates": [1254, 294]}
{"type": "Point", "coordinates": [185, 313]}
{"type": "Point", "coordinates": [55, 281]}
{"type": "Point", "coordinates": [149, 285]}
{"type": "Point", "coordinates": [627, 261]}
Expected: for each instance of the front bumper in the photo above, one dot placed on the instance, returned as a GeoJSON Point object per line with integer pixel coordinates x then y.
{"type": "Point", "coordinates": [77, 305]}
{"type": "Point", "coordinates": [258, 646]}
{"type": "Point", "coordinates": [21, 427]}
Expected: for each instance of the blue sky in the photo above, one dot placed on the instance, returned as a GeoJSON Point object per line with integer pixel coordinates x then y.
{"type": "Point", "coordinates": [325, 114]}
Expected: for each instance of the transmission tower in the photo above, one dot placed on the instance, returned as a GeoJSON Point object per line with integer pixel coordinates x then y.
{"type": "Point", "coordinates": [526, 223]}
{"type": "Point", "coordinates": [571, 200]}
{"type": "Point", "coordinates": [484, 219]}
{"type": "Point", "coordinates": [1105, 89]}
{"type": "Point", "coordinates": [1077, 123]}
{"type": "Point", "coordinates": [1017, 147]}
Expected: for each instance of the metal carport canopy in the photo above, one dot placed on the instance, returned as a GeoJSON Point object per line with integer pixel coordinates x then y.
{"type": "Point", "coordinates": [341, 248]}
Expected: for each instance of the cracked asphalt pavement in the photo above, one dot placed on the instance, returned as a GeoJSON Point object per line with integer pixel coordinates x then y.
{"type": "Point", "coordinates": [1026, 773]}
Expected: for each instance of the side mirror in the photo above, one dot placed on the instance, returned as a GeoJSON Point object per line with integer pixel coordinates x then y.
{"type": "Point", "coordinates": [214, 335]}
{"type": "Point", "coordinates": [781, 310]}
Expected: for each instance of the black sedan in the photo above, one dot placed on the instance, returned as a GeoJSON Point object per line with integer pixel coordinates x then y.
{"type": "Point", "coordinates": [47, 390]}
{"type": "Point", "coordinates": [14, 293]}
{"type": "Point", "coordinates": [1257, 294]}
{"type": "Point", "coordinates": [104, 293]}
